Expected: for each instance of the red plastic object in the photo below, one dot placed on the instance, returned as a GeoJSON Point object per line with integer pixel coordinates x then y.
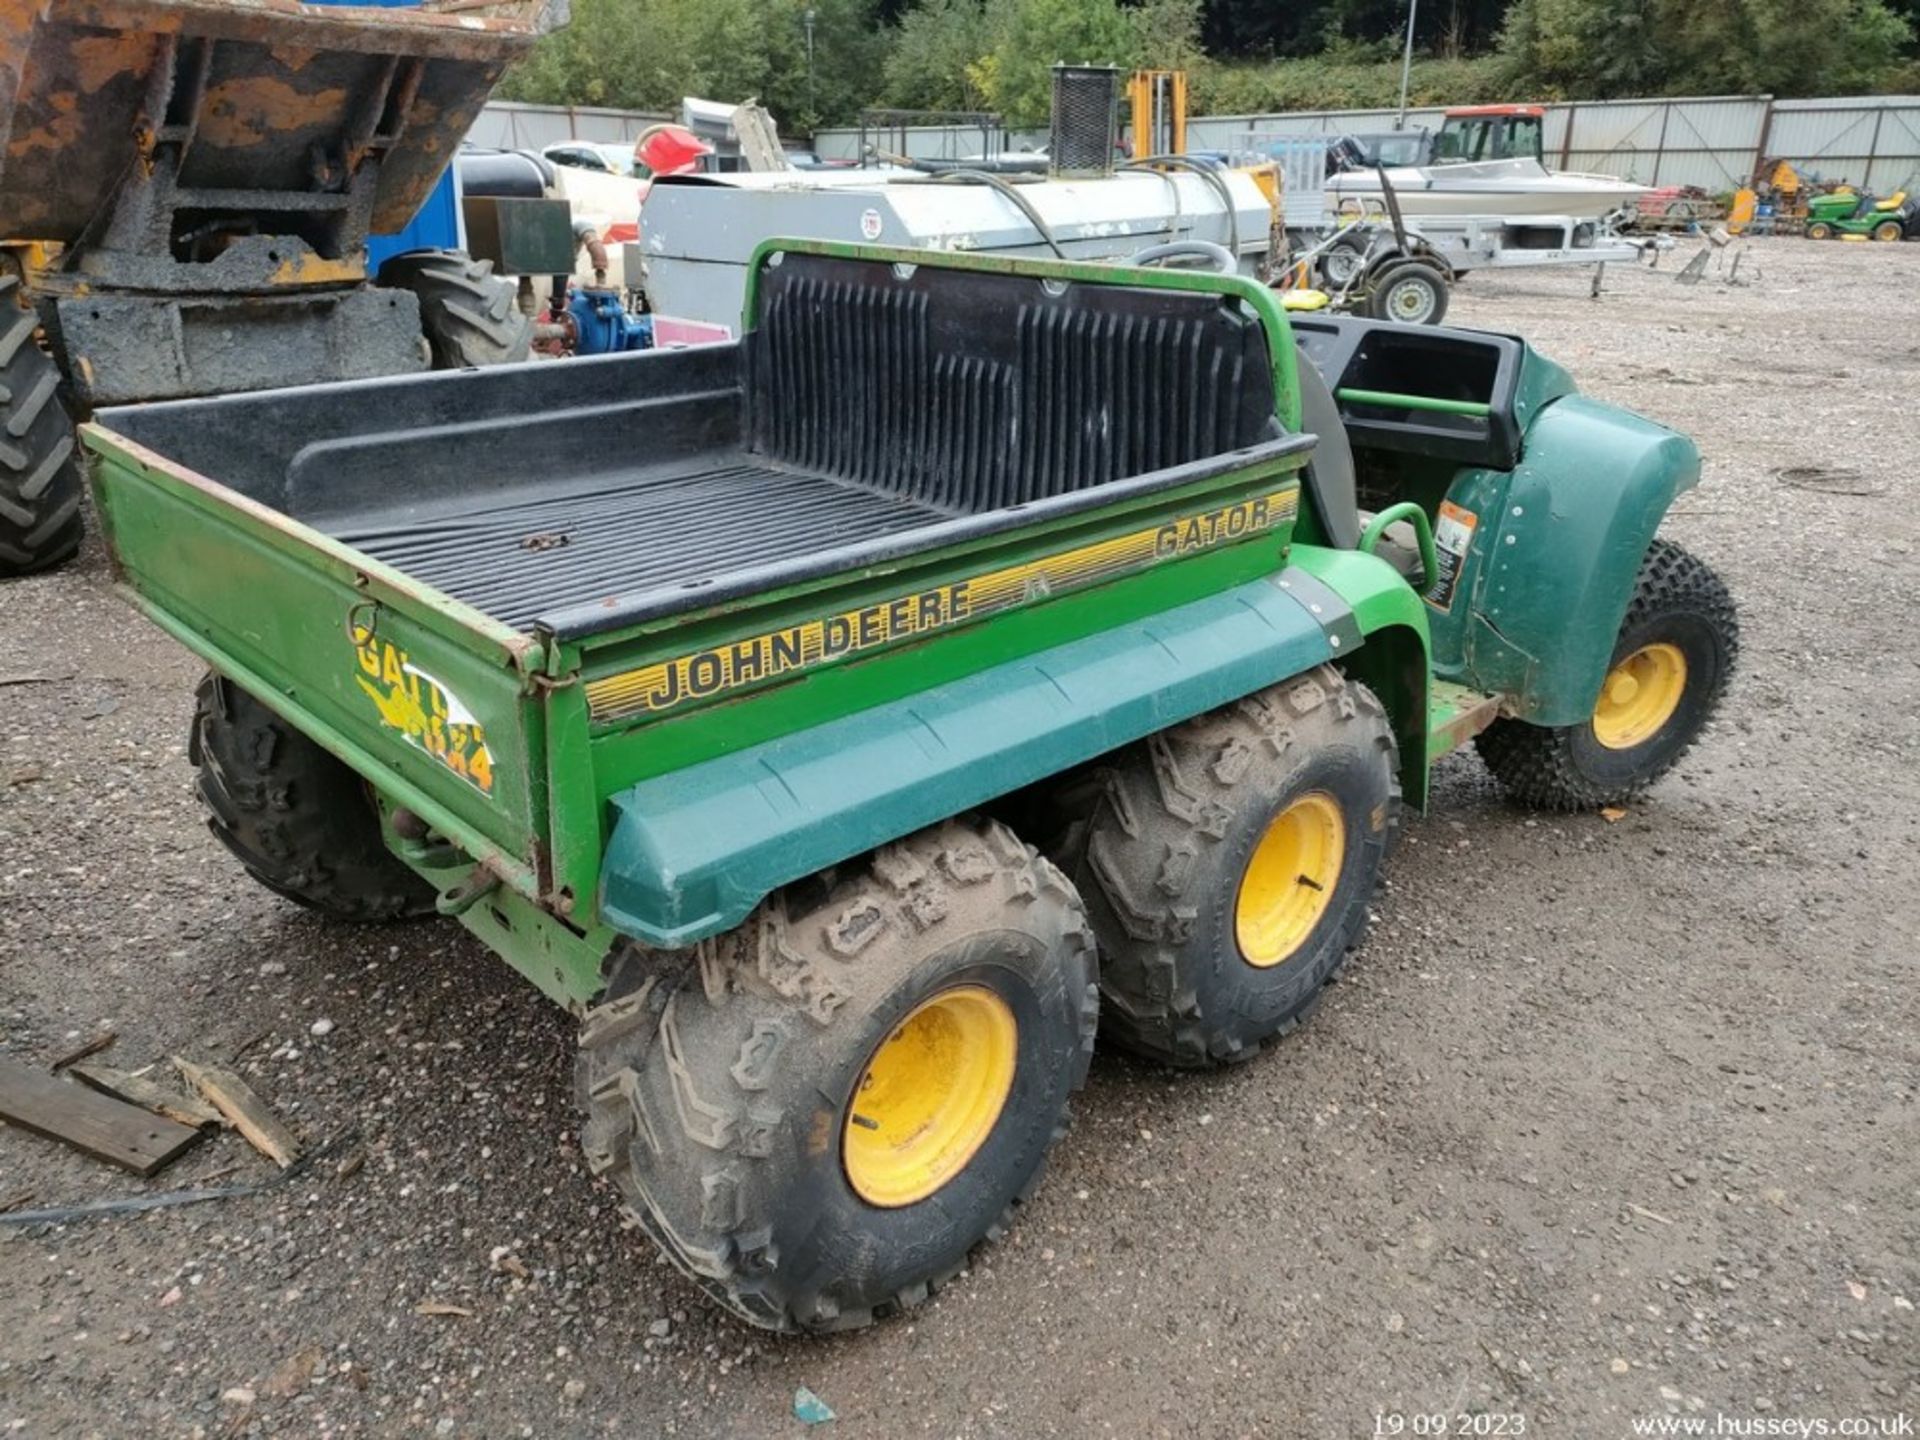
{"type": "Point", "coordinates": [672, 150]}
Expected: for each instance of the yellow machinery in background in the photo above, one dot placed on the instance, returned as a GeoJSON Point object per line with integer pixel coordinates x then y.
{"type": "Point", "coordinates": [1779, 185]}
{"type": "Point", "coordinates": [1158, 99]}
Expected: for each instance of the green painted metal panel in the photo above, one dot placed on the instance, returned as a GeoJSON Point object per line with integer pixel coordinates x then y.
{"type": "Point", "coordinates": [1555, 549]}
{"type": "Point", "coordinates": [1391, 651]}
{"type": "Point", "coordinates": [628, 751]}
{"type": "Point", "coordinates": [694, 851]}
{"type": "Point", "coordinates": [564, 966]}
{"type": "Point", "coordinates": [430, 705]}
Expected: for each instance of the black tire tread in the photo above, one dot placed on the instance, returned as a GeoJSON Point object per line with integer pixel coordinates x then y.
{"type": "Point", "coordinates": [298, 819]}
{"type": "Point", "coordinates": [1534, 764]}
{"type": "Point", "coordinates": [1196, 766]}
{"type": "Point", "coordinates": [469, 315]}
{"type": "Point", "coordinates": [776, 964]}
{"type": "Point", "coordinates": [40, 482]}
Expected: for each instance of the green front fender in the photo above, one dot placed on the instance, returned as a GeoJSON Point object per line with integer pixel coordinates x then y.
{"type": "Point", "coordinates": [1556, 546]}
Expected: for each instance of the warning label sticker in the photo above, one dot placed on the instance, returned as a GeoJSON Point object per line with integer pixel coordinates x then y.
{"type": "Point", "coordinates": [1452, 538]}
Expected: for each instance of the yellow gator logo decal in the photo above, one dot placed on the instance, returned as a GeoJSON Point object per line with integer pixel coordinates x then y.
{"type": "Point", "coordinates": [424, 711]}
{"type": "Point", "coordinates": [705, 673]}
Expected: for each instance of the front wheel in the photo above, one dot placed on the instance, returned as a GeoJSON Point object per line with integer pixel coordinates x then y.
{"type": "Point", "coordinates": [1819, 230]}
{"type": "Point", "coordinates": [1670, 666]}
{"type": "Point", "coordinates": [818, 1115]}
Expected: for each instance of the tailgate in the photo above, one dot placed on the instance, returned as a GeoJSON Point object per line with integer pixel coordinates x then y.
{"type": "Point", "coordinates": [427, 698]}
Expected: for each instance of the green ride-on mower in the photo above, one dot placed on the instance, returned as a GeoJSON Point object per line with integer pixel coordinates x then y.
{"type": "Point", "coordinates": [1846, 212]}
{"type": "Point", "coordinates": [851, 722]}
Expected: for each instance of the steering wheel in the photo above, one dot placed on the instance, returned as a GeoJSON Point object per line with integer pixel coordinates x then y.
{"type": "Point", "coordinates": [1218, 257]}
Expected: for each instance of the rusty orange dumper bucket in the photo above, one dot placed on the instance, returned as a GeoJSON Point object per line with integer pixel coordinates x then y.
{"type": "Point", "coordinates": [144, 125]}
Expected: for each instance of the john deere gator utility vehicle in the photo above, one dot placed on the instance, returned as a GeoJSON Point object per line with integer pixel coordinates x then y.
{"type": "Point", "coordinates": [846, 721]}
{"type": "Point", "coordinates": [186, 191]}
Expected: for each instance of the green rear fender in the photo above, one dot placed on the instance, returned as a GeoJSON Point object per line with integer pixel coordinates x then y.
{"type": "Point", "coordinates": [1556, 545]}
{"type": "Point", "coordinates": [693, 851]}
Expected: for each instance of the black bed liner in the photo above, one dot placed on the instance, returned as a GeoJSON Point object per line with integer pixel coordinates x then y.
{"type": "Point", "coordinates": [875, 412]}
{"type": "Point", "coordinates": [536, 553]}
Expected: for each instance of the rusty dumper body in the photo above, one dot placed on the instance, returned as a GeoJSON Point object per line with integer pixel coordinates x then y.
{"type": "Point", "coordinates": [186, 190]}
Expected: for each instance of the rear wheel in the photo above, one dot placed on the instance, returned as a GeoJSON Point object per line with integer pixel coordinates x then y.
{"type": "Point", "coordinates": [1888, 230]}
{"type": "Point", "coordinates": [1228, 863]}
{"type": "Point", "coordinates": [1411, 293]}
{"type": "Point", "coordinates": [1819, 230]}
{"type": "Point", "coordinates": [469, 315]}
{"type": "Point", "coordinates": [1670, 666]}
{"type": "Point", "coordinates": [299, 820]}
{"type": "Point", "coordinates": [818, 1115]}
{"type": "Point", "coordinates": [39, 463]}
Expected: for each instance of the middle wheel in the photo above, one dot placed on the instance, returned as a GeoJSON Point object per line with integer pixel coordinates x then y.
{"type": "Point", "coordinates": [1228, 863]}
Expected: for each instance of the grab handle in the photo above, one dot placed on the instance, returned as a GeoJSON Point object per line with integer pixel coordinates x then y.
{"type": "Point", "coordinates": [1423, 533]}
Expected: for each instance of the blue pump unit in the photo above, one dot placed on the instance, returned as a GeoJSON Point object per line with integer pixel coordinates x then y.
{"type": "Point", "coordinates": [602, 325]}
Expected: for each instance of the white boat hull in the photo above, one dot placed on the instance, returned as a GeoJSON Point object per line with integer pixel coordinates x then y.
{"type": "Point", "coordinates": [1495, 187]}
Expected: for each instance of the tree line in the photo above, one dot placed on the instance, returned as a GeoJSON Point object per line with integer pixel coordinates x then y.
{"type": "Point", "coordinates": [816, 62]}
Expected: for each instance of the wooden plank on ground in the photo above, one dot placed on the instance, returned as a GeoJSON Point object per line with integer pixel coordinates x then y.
{"type": "Point", "coordinates": [244, 1110]}
{"type": "Point", "coordinates": [138, 1090]}
{"type": "Point", "coordinates": [104, 1128]}
{"type": "Point", "coordinates": [81, 1052]}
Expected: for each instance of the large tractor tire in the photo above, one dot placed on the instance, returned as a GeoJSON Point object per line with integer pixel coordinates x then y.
{"type": "Point", "coordinates": [1888, 231]}
{"type": "Point", "coordinates": [818, 1115]}
{"type": "Point", "coordinates": [301, 822]}
{"type": "Point", "coordinates": [469, 315]}
{"type": "Point", "coordinates": [1227, 866]}
{"type": "Point", "coordinates": [39, 461]}
{"type": "Point", "coordinates": [1670, 666]}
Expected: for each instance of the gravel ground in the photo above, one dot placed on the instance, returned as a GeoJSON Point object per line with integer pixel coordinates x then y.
{"type": "Point", "coordinates": [1606, 1121]}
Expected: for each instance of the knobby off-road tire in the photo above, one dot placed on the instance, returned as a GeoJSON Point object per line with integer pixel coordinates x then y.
{"type": "Point", "coordinates": [39, 457]}
{"type": "Point", "coordinates": [300, 821]}
{"type": "Point", "coordinates": [469, 315]}
{"type": "Point", "coordinates": [1678, 605]}
{"type": "Point", "coordinates": [1162, 856]}
{"type": "Point", "coordinates": [718, 1082]}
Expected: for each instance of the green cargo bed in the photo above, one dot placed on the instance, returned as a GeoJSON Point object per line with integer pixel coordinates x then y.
{"type": "Point", "coordinates": [509, 596]}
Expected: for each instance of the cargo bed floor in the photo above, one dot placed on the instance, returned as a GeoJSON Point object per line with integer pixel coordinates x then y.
{"type": "Point", "coordinates": [522, 554]}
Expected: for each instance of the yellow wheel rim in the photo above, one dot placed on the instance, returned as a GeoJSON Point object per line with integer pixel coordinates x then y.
{"type": "Point", "coordinates": [1289, 880]}
{"type": "Point", "coordinates": [929, 1096]}
{"type": "Point", "coordinates": [1639, 696]}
